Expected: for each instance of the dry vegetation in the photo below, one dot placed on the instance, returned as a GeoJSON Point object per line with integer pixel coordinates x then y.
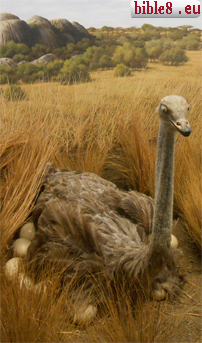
{"type": "Point", "coordinates": [109, 127]}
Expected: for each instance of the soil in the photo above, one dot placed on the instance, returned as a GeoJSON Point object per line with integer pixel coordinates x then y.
{"type": "Point", "coordinates": [187, 312]}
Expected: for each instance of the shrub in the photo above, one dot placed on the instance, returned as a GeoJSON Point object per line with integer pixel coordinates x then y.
{"type": "Point", "coordinates": [12, 49]}
{"type": "Point", "coordinates": [8, 50]}
{"type": "Point", "coordinates": [71, 72]}
{"type": "Point", "coordinates": [7, 74]}
{"type": "Point", "coordinates": [18, 58]}
{"type": "Point", "coordinates": [53, 68]}
{"type": "Point", "coordinates": [14, 92]}
{"type": "Point", "coordinates": [131, 56]}
{"type": "Point", "coordinates": [27, 72]}
{"type": "Point", "coordinates": [92, 56]}
{"type": "Point", "coordinates": [154, 49]}
{"type": "Point", "coordinates": [175, 56]}
{"type": "Point", "coordinates": [122, 70]}
{"type": "Point", "coordinates": [105, 61]}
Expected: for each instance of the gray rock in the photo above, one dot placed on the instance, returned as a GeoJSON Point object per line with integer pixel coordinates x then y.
{"type": "Point", "coordinates": [39, 21]}
{"type": "Point", "coordinates": [8, 16]}
{"type": "Point", "coordinates": [45, 59]}
{"type": "Point", "coordinates": [38, 30]}
{"type": "Point", "coordinates": [81, 29]}
{"type": "Point", "coordinates": [16, 30]}
{"type": "Point", "coordinates": [8, 62]}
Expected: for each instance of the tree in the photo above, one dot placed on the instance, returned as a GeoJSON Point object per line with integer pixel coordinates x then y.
{"type": "Point", "coordinates": [104, 28]}
{"type": "Point", "coordinates": [39, 50]}
{"type": "Point", "coordinates": [91, 29]}
{"type": "Point", "coordinates": [185, 27]}
{"type": "Point", "coordinates": [166, 43]}
{"type": "Point", "coordinates": [29, 72]}
{"type": "Point", "coordinates": [9, 49]}
{"type": "Point", "coordinates": [123, 39]}
{"type": "Point", "coordinates": [92, 56]}
{"type": "Point", "coordinates": [175, 35]}
{"type": "Point", "coordinates": [174, 57]}
{"type": "Point", "coordinates": [53, 68]}
{"type": "Point", "coordinates": [131, 56]}
{"type": "Point", "coordinates": [146, 27]}
{"type": "Point", "coordinates": [22, 48]}
{"type": "Point", "coordinates": [154, 49]}
{"type": "Point", "coordinates": [105, 61]}
{"type": "Point", "coordinates": [71, 72]}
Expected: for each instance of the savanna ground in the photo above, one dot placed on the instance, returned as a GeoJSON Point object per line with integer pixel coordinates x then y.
{"type": "Point", "coordinates": [109, 127]}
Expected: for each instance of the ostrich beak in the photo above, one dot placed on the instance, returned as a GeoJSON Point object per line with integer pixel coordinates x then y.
{"type": "Point", "coordinates": [183, 126]}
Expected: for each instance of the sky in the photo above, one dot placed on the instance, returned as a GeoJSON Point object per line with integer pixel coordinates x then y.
{"type": "Point", "coordinates": [90, 13]}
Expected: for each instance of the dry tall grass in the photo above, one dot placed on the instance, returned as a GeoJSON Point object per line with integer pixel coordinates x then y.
{"type": "Point", "coordinates": [108, 127]}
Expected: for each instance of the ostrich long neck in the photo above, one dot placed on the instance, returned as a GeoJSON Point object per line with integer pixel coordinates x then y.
{"type": "Point", "coordinates": [162, 221]}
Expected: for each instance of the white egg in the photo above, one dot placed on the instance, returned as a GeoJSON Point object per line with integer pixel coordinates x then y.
{"type": "Point", "coordinates": [20, 246]}
{"type": "Point", "coordinates": [28, 231]}
{"type": "Point", "coordinates": [25, 281]}
{"type": "Point", "coordinates": [159, 294]}
{"type": "Point", "coordinates": [85, 314]}
{"type": "Point", "coordinates": [13, 266]}
{"type": "Point", "coordinates": [40, 287]}
{"type": "Point", "coordinates": [174, 242]}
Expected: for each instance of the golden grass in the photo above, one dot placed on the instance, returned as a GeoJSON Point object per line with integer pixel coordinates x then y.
{"type": "Point", "coordinates": [109, 127]}
{"type": "Point", "coordinates": [29, 316]}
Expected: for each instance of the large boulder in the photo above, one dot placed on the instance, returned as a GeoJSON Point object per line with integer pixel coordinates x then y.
{"type": "Point", "coordinates": [38, 21]}
{"type": "Point", "coordinates": [14, 29]}
{"type": "Point", "coordinates": [70, 31]}
{"type": "Point", "coordinates": [8, 62]}
{"type": "Point", "coordinates": [8, 16]}
{"type": "Point", "coordinates": [45, 59]}
{"type": "Point", "coordinates": [43, 32]}
{"type": "Point", "coordinates": [81, 29]}
{"type": "Point", "coordinates": [38, 30]}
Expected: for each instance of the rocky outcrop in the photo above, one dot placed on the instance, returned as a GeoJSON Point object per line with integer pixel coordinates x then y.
{"type": "Point", "coordinates": [8, 16]}
{"type": "Point", "coordinates": [8, 62]}
{"type": "Point", "coordinates": [80, 28]}
{"type": "Point", "coordinates": [45, 59]}
{"type": "Point", "coordinates": [16, 30]}
{"type": "Point", "coordinates": [38, 30]}
{"type": "Point", "coordinates": [71, 31]}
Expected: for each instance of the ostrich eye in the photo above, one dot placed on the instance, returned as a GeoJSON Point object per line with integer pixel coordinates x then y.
{"type": "Point", "coordinates": [188, 108]}
{"type": "Point", "coordinates": [164, 108]}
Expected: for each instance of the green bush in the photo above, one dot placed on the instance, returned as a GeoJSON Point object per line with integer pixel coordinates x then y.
{"type": "Point", "coordinates": [52, 68]}
{"type": "Point", "coordinates": [71, 73]}
{"type": "Point", "coordinates": [92, 56]}
{"type": "Point", "coordinates": [154, 49]}
{"type": "Point", "coordinates": [12, 49]}
{"type": "Point", "coordinates": [122, 70]}
{"type": "Point", "coordinates": [174, 57]}
{"type": "Point", "coordinates": [27, 72]}
{"type": "Point", "coordinates": [7, 74]}
{"type": "Point", "coordinates": [105, 62]}
{"type": "Point", "coordinates": [131, 56]}
{"type": "Point", "coordinates": [14, 92]}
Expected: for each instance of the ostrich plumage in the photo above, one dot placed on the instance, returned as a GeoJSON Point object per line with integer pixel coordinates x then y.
{"type": "Point", "coordinates": [88, 224]}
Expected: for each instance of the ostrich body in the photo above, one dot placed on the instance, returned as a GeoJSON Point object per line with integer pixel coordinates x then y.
{"type": "Point", "coordinates": [88, 224]}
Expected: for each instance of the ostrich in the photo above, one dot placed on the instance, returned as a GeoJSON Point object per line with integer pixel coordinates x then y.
{"type": "Point", "coordinates": [89, 225]}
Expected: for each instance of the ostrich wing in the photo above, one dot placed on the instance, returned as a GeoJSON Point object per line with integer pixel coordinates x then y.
{"type": "Point", "coordinates": [139, 208]}
{"type": "Point", "coordinates": [78, 217]}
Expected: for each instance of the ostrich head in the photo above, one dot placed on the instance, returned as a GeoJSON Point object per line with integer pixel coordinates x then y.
{"type": "Point", "coordinates": [173, 109]}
